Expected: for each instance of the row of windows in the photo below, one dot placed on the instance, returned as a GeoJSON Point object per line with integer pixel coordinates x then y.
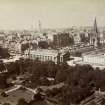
{"type": "Point", "coordinates": [44, 58]}
{"type": "Point", "coordinates": [94, 60]}
{"type": "Point", "coordinates": [41, 57]}
{"type": "Point", "coordinates": [61, 59]}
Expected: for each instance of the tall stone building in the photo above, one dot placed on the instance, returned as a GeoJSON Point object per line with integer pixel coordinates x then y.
{"type": "Point", "coordinates": [61, 40]}
{"type": "Point", "coordinates": [95, 35]}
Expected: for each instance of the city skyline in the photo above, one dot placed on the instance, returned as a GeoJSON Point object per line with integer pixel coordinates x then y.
{"type": "Point", "coordinates": [25, 14]}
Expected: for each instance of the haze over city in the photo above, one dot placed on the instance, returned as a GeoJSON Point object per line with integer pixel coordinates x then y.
{"type": "Point", "coordinates": [25, 14]}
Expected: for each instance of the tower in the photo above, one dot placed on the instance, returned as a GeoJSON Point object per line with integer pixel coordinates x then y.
{"type": "Point", "coordinates": [95, 39]}
{"type": "Point", "coordinates": [40, 26]}
{"type": "Point", "coordinates": [95, 28]}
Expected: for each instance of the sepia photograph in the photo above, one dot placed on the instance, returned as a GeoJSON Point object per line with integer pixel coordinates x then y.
{"type": "Point", "coordinates": [52, 52]}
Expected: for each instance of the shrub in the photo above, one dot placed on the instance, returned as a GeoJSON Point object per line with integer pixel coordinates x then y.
{"type": "Point", "coordinates": [4, 94]}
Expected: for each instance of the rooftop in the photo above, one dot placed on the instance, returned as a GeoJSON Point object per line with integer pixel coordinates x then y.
{"type": "Point", "coordinates": [44, 51]}
{"type": "Point", "coordinates": [99, 52]}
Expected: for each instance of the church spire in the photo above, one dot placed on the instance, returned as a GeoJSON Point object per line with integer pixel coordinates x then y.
{"type": "Point", "coordinates": [95, 26]}
{"type": "Point", "coordinates": [40, 26]}
{"type": "Point", "coordinates": [96, 33]}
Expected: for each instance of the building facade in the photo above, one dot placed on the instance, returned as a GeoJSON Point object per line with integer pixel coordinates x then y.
{"type": "Point", "coordinates": [14, 47]}
{"type": "Point", "coordinates": [2, 40]}
{"type": "Point", "coordinates": [46, 55]}
{"type": "Point", "coordinates": [95, 35]}
{"type": "Point", "coordinates": [61, 40]}
{"type": "Point", "coordinates": [95, 57]}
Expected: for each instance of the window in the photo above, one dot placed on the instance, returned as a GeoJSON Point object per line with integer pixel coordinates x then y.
{"type": "Point", "coordinates": [61, 59]}
{"type": "Point", "coordinates": [30, 55]}
{"type": "Point", "coordinates": [45, 58]}
{"type": "Point", "coordinates": [51, 58]}
{"type": "Point", "coordinates": [35, 56]}
{"type": "Point", "coordinates": [48, 58]}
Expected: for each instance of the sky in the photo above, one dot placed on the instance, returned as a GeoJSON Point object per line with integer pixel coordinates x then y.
{"type": "Point", "coordinates": [25, 14]}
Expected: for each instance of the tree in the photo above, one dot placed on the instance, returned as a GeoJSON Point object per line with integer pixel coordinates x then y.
{"type": "Point", "coordinates": [84, 38]}
{"type": "Point", "coordinates": [4, 94]}
{"type": "Point", "coordinates": [103, 102]}
{"type": "Point", "coordinates": [62, 72]}
{"type": "Point", "coordinates": [13, 68]}
{"type": "Point", "coordinates": [4, 53]}
{"type": "Point", "coordinates": [61, 76]}
{"type": "Point", "coordinates": [51, 69]}
{"type": "Point", "coordinates": [34, 45]}
{"type": "Point", "coordinates": [78, 54]}
{"type": "Point", "coordinates": [24, 47]}
{"type": "Point", "coordinates": [38, 97]}
{"type": "Point", "coordinates": [22, 101]}
{"type": "Point", "coordinates": [71, 41]}
{"type": "Point", "coordinates": [6, 104]}
{"type": "Point", "coordinates": [3, 81]}
{"type": "Point", "coordinates": [2, 67]}
{"type": "Point", "coordinates": [43, 44]}
{"type": "Point", "coordinates": [66, 57]}
{"type": "Point", "coordinates": [92, 103]}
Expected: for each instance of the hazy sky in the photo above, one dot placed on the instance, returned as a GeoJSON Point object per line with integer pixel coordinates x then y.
{"type": "Point", "coordinates": [23, 14]}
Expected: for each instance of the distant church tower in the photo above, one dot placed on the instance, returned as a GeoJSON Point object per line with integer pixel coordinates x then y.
{"type": "Point", "coordinates": [40, 26]}
{"type": "Point", "coordinates": [95, 39]}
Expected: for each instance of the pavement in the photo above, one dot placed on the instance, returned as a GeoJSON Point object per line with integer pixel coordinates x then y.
{"type": "Point", "coordinates": [18, 86]}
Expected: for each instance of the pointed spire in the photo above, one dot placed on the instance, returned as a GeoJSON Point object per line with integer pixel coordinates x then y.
{"type": "Point", "coordinates": [40, 26]}
{"type": "Point", "coordinates": [95, 26]}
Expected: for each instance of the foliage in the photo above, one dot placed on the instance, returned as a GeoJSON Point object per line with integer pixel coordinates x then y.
{"type": "Point", "coordinates": [4, 94]}
{"type": "Point", "coordinates": [84, 38]}
{"type": "Point", "coordinates": [22, 101]}
{"type": "Point", "coordinates": [4, 53]}
{"type": "Point", "coordinates": [103, 102]}
{"type": "Point", "coordinates": [71, 41]}
{"type": "Point", "coordinates": [27, 45]}
{"type": "Point", "coordinates": [43, 45]}
{"type": "Point", "coordinates": [78, 54]}
{"type": "Point", "coordinates": [2, 67]}
{"type": "Point", "coordinates": [24, 47]}
{"type": "Point", "coordinates": [38, 97]}
{"type": "Point", "coordinates": [6, 104]}
{"type": "Point", "coordinates": [66, 57]}
{"type": "Point", "coordinates": [22, 88]}
{"type": "Point", "coordinates": [80, 80]}
{"type": "Point", "coordinates": [3, 81]}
